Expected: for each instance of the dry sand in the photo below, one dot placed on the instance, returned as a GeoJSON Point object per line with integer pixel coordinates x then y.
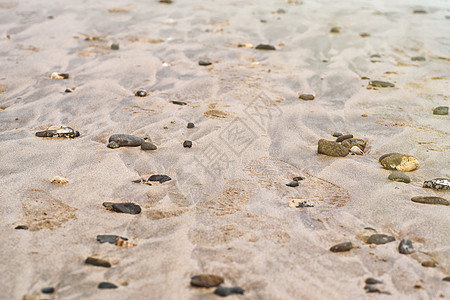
{"type": "Point", "coordinates": [225, 211]}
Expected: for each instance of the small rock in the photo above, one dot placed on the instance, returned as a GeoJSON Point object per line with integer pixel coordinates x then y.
{"type": "Point", "coordinates": [399, 177]}
{"type": "Point", "coordinates": [281, 11]}
{"type": "Point", "coordinates": [23, 227]}
{"type": "Point", "coordinates": [179, 102]}
{"type": "Point", "coordinates": [124, 140]}
{"type": "Point", "coordinates": [297, 203]}
{"type": "Point", "coordinates": [364, 34]}
{"type": "Point", "coordinates": [440, 110]}
{"type": "Point", "coordinates": [335, 30]}
{"type": "Point", "coordinates": [383, 84]}
{"type": "Point", "coordinates": [356, 150]}
{"type": "Point", "coordinates": [351, 142]}
{"type": "Point", "coordinates": [344, 137]}
{"type": "Point", "coordinates": [114, 46]}
{"type": "Point", "coordinates": [400, 162]}
{"type": "Point", "coordinates": [429, 264]}
{"type": "Point", "coordinates": [190, 125]}
{"type": "Point", "coordinates": [97, 262]}
{"type": "Point", "coordinates": [206, 280]}
{"type": "Point", "coordinates": [48, 290]}
{"type": "Point", "coordinates": [187, 144]}
{"type": "Point", "coordinates": [59, 180]}
{"type": "Point", "coordinates": [265, 47]}
{"type": "Point", "coordinates": [166, 1]}
{"type": "Point", "coordinates": [204, 63]}
{"type": "Point", "coordinates": [430, 200]}
{"type": "Point", "coordinates": [371, 288]}
{"type": "Point", "coordinates": [107, 285]}
{"type": "Point", "coordinates": [141, 93]}
{"type": "Point", "coordinates": [405, 246]}
{"type": "Point", "coordinates": [298, 178]}
{"type": "Point", "coordinates": [306, 97]}
{"type": "Point", "coordinates": [331, 148]}
{"type": "Point", "coordinates": [386, 155]}
{"type": "Point", "coordinates": [249, 46]}
{"type": "Point", "coordinates": [59, 76]}
{"type": "Point", "coordinates": [109, 238]}
{"type": "Point", "coordinates": [419, 11]}
{"type": "Point", "coordinates": [342, 247]}
{"type": "Point", "coordinates": [227, 291]}
{"type": "Point", "coordinates": [437, 184]}
{"type": "Point", "coordinates": [371, 280]}
{"type": "Point", "coordinates": [293, 183]}
{"type": "Point", "coordinates": [124, 243]}
{"type": "Point", "coordinates": [337, 134]}
{"type": "Point", "coordinates": [380, 239]}
{"type": "Point", "coordinates": [126, 207]}
{"type": "Point", "coordinates": [68, 90]}
{"type": "Point", "coordinates": [446, 279]}
{"type": "Point", "coordinates": [148, 146]}
{"type": "Point", "coordinates": [418, 58]}
{"type": "Point", "coordinates": [159, 178]}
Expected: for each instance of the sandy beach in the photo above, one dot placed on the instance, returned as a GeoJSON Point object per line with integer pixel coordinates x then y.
{"type": "Point", "coordinates": [251, 200]}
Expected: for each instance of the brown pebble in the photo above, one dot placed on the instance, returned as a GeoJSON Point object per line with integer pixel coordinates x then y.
{"type": "Point", "coordinates": [342, 247]}
{"type": "Point", "coordinates": [429, 264]}
{"type": "Point", "coordinates": [97, 262]}
{"type": "Point", "coordinates": [306, 97]}
{"type": "Point", "coordinates": [206, 280]}
{"type": "Point", "coordinates": [430, 200]}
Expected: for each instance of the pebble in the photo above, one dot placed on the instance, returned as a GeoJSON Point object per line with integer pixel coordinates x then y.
{"type": "Point", "coordinates": [437, 184]}
{"type": "Point", "coordinates": [380, 239]}
{"type": "Point", "coordinates": [97, 262]}
{"type": "Point", "coordinates": [148, 146]}
{"type": "Point", "coordinates": [440, 110]}
{"type": "Point", "coordinates": [399, 177]}
{"type": "Point", "coordinates": [337, 134]}
{"type": "Point", "coordinates": [48, 290]}
{"type": "Point", "coordinates": [418, 58]}
{"type": "Point", "coordinates": [159, 178]}
{"type": "Point", "coordinates": [405, 246]}
{"type": "Point", "coordinates": [125, 207]}
{"type": "Point", "coordinates": [331, 148]}
{"type": "Point", "coordinates": [187, 144]}
{"type": "Point", "coordinates": [419, 11]}
{"type": "Point", "coordinates": [335, 30]}
{"type": "Point", "coordinates": [430, 200]}
{"type": "Point", "coordinates": [342, 247]}
{"type": "Point", "coordinates": [298, 178]}
{"type": "Point", "coordinates": [58, 131]}
{"type": "Point", "coordinates": [446, 279]}
{"type": "Point", "coordinates": [356, 150]}
{"type": "Point", "coordinates": [351, 142]}
{"type": "Point", "coordinates": [297, 203]}
{"type": "Point", "coordinates": [190, 125]}
{"type": "Point", "coordinates": [206, 280]}
{"type": "Point", "coordinates": [364, 34]}
{"type": "Point", "coordinates": [107, 285]}
{"type": "Point", "coordinates": [293, 183]}
{"type": "Point", "coordinates": [59, 180]}
{"type": "Point", "coordinates": [23, 227]}
{"type": "Point", "coordinates": [281, 11]}
{"type": "Point", "coordinates": [141, 93]}
{"type": "Point", "coordinates": [68, 91]}
{"type": "Point", "coordinates": [306, 97]}
{"type": "Point", "coordinates": [265, 47]}
{"type": "Point", "coordinates": [109, 238]}
{"type": "Point", "coordinates": [114, 46]}
{"type": "Point", "coordinates": [344, 137]}
{"type": "Point", "coordinates": [386, 155]}
{"type": "Point", "coordinates": [124, 140]}
{"type": "Point", "coordinates": [179, 102]}
{"type": "Point", "coordinates": [429, 264]}
{"type": "Point", "coordinates": [400, 162]}
{"type": "Point", "coordinates": [383, 84]}
{"type": "Point", "coordinates": [59, 76]}
{"type": "Point", "coordinates": [227, 291]}
{"type": "Point", "coordinates": [204, 63]}
{"type": "Point", "coordinates": [371, 280]}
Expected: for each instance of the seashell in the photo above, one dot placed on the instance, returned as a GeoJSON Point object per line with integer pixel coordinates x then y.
{"type": "Point", "coordinates": [249, 46]}
{"type": "Point", "coordinates": [58, 76]}
{"type": "Point", "coordinates": [122, 243]}
{"type": "Point", "coordinates": [356, 150]}
{"type": "Point", "coordinates": [59, 180]}
{"type": "Point", "coordinates": [298, 203]}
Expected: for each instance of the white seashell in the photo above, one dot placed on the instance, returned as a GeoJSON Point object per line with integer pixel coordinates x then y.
{"type": "Point", "coordinates": [59, 180]}
{"type": "Point", "coordinates": [164, 64]}
{"type": "Point", "coordinates": [356, 150]}
{"type": "Point", "coordinates": [169, 21]}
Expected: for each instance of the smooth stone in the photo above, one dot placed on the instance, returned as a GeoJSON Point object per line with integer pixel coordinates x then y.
{"type": "Point", "coordinates": [430, 200]}
{"type": "Point", "coordinates": [206, 280]}
{"type": "Point", "coordinates": [342, 247]}
{"type": "Point", "coordinates": [405, 246]}
{"type": "Point", "coordinates": [331, 148]}
{"type": "Point", "coordinates": [148, 146]}
{"type": "Point", "coordinates": [204, 63]}
{"type": "Point", "coordinates": [371, 280]}
{"type": "Point", "coordinates": [351, 142]}
{"type": "Point", "coordinates": [179, 102]}
{"type": "Point", "coordinates": [68, 91]}
{"type": "Point", "coordinates": [298, 178]}
{"type": "Point", "coordinates": [306, 97]}
{"type": "Point", "coordinates": [124, 140]}
{"type": "Point", "coordinates": [140, 93]}
{"type": "Point", "coordinates": [380, 239]}
{"type": "Point", "coordinates": [335, 30]}
{"type": "Point", "coordinates": [386, 155]}
{"type": "Point", "coordinates": [187, 144]}
{"type": "Point", "coordinates": [23, 227]}
{"type": "Point", "coordinates": [227, 291]}
{"type": "Point", "coordinates": [337, 134]}
{"type": "Point", "coordinates": [429, 264]}
{"type": "Point", "coordinates": [371, 288]}
{"type": "Point", "coordinates": [190, 125]}
{"type": "Point", "coordinates": [281, 11]}
{"type": "Point", "coordinates": [379, 83]}
{"type": "Point", "coordinates": [418, 58]}
{"type": "Point", "coordinates": [265, 47]}
{"type": "Point", "coordinates": [293, 183]}
{"type": "Point", "coordinates": [400, 162]}
{"type": "Point", "coordinates": [114, 46]}
{"type": "Point", "coordinates": [440, 110]}
{"type": "Point", "coordinates": [159, 178]}
{"type": "Point", "coordinates": [126, 207]}
{"type": "Point", "coordinates": [419, 11]}
{"type": "Point", "coordinates": [446, 279]}
{"type": "Point", "coordinates": [399, 177]}
{"type": "Point", "coordinates": [109, 238]}
{"type": "Point", "coordinates": [97, 262]}
{"type": "Point", "coordinates": [344, 137]}
{"type": "Point", "coordinates": [48, 290]}
{"type": "Point", "coordinates": [437, 184]}
{"type": "Point", "coordinates": [106, 285]}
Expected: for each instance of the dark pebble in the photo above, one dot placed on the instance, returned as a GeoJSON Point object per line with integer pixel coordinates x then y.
{"type": "Point", "coordinates": [281, 11]}
{"type": "Point", "coordinates": [206, 280]}
{"type": "Point", "coordinates": [342, 247]}
{"type": "Point", "coordinates": [140, 93]}
{"type": "Point", "coordinates": [107, 285]}
{"type": "Point", "coordinates": [187, 144]}
{"type": "Point", "coordinates": [293, 183]}
{"type": "Point", "coordinates": [48, 290]}
{"type": "Point", "coordinates": [97, 262]}
{"type": "Point", "coordinates": [440, 110]}
{"type": "Point", "coordinates": [68, 91]}
{"type": "Point", "coordinates": [405, 246]}
{"type": "Point", "coordinates": [335, 30]}
{"type": "Point", "coordinates": [370, 228]}
{"type": "Point", "coordinates": [419, 11]}
{"type": "Point", "coordinates": [159, 178]}
{"type": "Point", "coordinates": [380, 239]}
{"type": "Point", "coordinates": [344, 137]}
{"type": "Point", "coordinates": [371, 280]}
{"type": "Point", "coordinates": [265, 47]}
{"type": "Point", "coordinates": [148, 146]}
{"type": "Point", "coordinates": [109, 238]}
{"type": "Point", "coordinates": [166, 1]}
{"type": "Point", "coordinates": [386, 155]}
{"type": "Point", "coordinates": [446, 279]}
{"type": "Point", "coordinates": [371, 288]}
{"type": "Point", "coordinates": [379, 83]}
{"type": "Point", "coordinates": [64, 75]}
{"type": "Point", "coordinates": [126, 207]}
{"type": "Point", "coordinates": [337, 134]}
{"type": "Point", "coordinates": [227, 291]}
{"type": "Point", "coordinates": [298, 178]}
{"type": "Point", "coordinates": [124, 140]}
{"type": "Point", "coordinates": [114, 46]}
{"type": "Point", "coordinates": [204, 63]}
{"type": "Point", "coordinates": [399, 177]}
{"type": "Point", "coordinates": [418, 58]}
{"type": "Point", "coordinates": [437, 184]}
{"type": "Point", "coordinates": [179, 102]}
{"type": "Point", "coordinates": [430, 200]}
{"type": "Point", "coordinates": [190, 125]}
{"type": "Point", "coordinates": [24, 227]}
{"type": "Point", "coordinates": [306, 97]}
{"type": "Point", "coordinates": [429, 264]}
{"type": "Point", "coordinates": [331, 148]}
{"type": "Point", "coordinates": [304, 204]}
